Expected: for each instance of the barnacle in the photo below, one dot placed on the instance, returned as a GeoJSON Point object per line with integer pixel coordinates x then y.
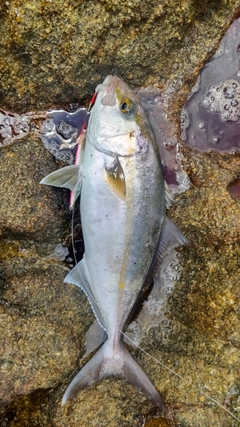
{"type": "Point", "coordinates": [12, 127]}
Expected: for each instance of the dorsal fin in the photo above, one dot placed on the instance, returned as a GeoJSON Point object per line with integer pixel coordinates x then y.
{"type": "Point", "coordinates": [168, 196]}
{"type": "Point", "coordinates": [169, 239]}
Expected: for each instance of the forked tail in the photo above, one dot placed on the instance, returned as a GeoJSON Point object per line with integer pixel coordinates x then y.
{"type": "Point", "coordinates": [107, 362]}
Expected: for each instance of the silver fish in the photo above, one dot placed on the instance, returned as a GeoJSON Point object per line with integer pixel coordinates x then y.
{"type": "Point", "coordinates": [126, 233]}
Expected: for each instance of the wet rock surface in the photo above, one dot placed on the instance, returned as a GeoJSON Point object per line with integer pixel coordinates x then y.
{"type": "Point", "coordinates": [210, 118]}
{"type": "Point", "coordinates": [53, 53]}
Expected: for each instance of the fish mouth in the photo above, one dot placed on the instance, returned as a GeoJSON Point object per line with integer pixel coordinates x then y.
{"type": "Point", "coordinates": [108, 88]}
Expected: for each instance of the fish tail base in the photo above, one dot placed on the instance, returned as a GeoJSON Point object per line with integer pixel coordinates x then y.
{"type": "Point", "coordinates": [111, 362]}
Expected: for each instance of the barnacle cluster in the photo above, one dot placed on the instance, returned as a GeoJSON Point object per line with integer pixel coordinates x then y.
{"type": "Point", "coordinates": [60, 131]}
{"type": "Point", "coordinates": [12, 127]}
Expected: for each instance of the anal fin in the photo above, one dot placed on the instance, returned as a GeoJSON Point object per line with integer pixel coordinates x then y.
{"type": "Point", "coordinates": [79, 277]}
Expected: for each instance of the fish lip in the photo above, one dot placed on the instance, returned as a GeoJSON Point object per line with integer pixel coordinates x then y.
{"type": "Point", "coordinates": [109, 80]}
{"type": "Point", "coordinates": [108, 90]}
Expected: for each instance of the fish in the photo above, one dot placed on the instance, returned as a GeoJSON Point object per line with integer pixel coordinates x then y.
{"type": "Point", "coordinates": [118, 174]}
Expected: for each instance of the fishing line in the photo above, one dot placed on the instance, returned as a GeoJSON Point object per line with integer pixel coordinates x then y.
{"type": "Point", "coordinates": [181, 377]}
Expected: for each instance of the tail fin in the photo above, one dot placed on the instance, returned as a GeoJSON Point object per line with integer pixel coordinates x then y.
{"type": "Point", "coordinates": [107, 362]}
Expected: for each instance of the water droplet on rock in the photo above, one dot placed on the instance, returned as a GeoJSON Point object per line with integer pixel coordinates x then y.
{"type": "Point", "coordinates": [234, 103]}
{"type": "Point", "coordinates": [228, 93]}
{"type": "Point", "coordinates": [216, 140]}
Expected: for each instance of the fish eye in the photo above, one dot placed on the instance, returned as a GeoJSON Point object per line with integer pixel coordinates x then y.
{"type": "Point", "coordinates": [125, 106]}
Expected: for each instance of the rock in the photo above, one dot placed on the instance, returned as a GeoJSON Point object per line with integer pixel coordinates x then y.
{"type": "Point", "coordinates": [37, 344]}
{"type": "Point", "coordinates": [28, 209]}
{"type": "Point", "coordinates": [54, 52]}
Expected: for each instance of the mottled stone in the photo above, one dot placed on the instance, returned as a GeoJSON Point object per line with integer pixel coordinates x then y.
{"type": "Point", "coordinates": [53, 52]}
{"type": "Point", "coordinates": [38, 345]}
{"type": "Point", "coordinates": [27, 208]}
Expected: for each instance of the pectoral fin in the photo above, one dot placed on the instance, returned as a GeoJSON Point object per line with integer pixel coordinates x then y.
{"type": "Point", "coordinates": [67, 177]}
{"type": "Point", "coordinates": [115, 177]}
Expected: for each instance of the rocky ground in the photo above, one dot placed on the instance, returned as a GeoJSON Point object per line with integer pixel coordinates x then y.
{"type": "Point", "coordinates": [54, 53]}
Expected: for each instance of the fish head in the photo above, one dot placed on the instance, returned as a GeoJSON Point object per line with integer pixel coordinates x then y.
{"type": "Point", "coordinates": [118, 124]}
